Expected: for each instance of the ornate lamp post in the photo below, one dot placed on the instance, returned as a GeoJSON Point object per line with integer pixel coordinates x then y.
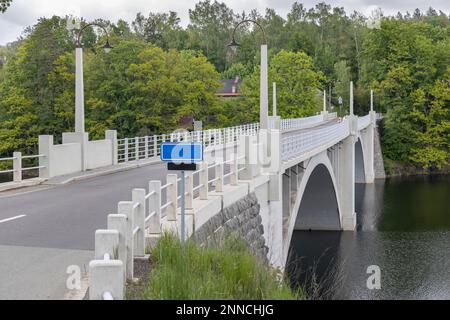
{"type": "Point", "coordinates": [79, 83]}
{"type": "Point", "coordinates": [264, 85]}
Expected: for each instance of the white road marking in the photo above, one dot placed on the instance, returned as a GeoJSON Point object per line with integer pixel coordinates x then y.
{"type": "Point", "coordinates": [13, 218]}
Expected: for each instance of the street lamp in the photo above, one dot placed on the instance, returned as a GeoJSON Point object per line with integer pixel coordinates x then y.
{"type": "Point", "coordinates": [264, 85]}
{"type": "Point", "coordinates": [79, 83]}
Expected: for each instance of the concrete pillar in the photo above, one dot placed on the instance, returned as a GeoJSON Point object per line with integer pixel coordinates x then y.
{"type": "Point", "coordinates": [138, 196]}
{"type": "Point", "coordinates": [154, 204]}
{"type": "Point", "coordinates": [112, 136]}
{"type": "Point", "coordinates": [79, 91]}
{"type": "Point", "coordinates": [234, 170]}
{"type": "Point", "coordinates": [106, 242]}
{"type": "Point", "coordinates": [126, 208]}
{"type": "Point", "coordinates": [347, 180]}
{"type": "Point", "coordinates": [286, 194]}
{"type": "Point", "coordinates": [274, 111]}
{"type": "Point", "coordinates": [83, 139]}
{"type": "Point", "coordinates": [203, 180]}
{"type": "Point", "coordinates": [172, 195]}
{"type": "Point", "coordinates": [119, 222]}
{"type": "Point", "coordinates": [189, 189]}
{"type": "Point", "coordinates": [371, 100]}
{"type": "Point", "coordinates": [351, 98]}
{"type": "Point", "coordinates": [45, 149]}
{"type": "Point", "coordinates": [264, 90]}
{"type": "Point", "coordinates": [17, 166]}
{"type": "Point", "coordinates": [248, 147]}
{"type": "Point", "coordinates": [106, 276]}
{"type": "Point", "coordinates": [274, 234]}
{"type": "Point", "coordinates": [219, 177]}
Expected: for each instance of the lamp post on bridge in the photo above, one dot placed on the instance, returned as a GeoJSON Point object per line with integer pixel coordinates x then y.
{"type": "Point", "coordinates": [264, 86]}
{"type": "Point", "coordinates": [79, 83]}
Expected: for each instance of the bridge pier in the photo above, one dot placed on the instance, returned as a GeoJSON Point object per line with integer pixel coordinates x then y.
{"type": "Point", "coordinates": [346, 172]}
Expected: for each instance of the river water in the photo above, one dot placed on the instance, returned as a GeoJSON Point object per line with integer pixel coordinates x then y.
{"type": "Point", "coordinates": [403, 227]}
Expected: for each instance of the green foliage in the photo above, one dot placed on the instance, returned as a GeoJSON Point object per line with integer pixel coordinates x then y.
{"type": "Point", "coordinates": [297, 84]}
{"type": "Point", "coordinates": [229, 272]}
{"type": "Point", "coordinates": [407, 60]}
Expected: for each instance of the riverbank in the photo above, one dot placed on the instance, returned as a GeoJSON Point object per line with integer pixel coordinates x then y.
{"type": "Point", "coordinates": [395, 169]}
{"type": "Point", "coordinates": [187, 271]}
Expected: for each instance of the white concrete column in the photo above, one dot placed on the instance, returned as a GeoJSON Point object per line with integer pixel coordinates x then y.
{"type": "Point", "coordinates": [112, 136]}
{"type": "Point", "coordinates": [351, 98]}
{"type": "Point", "coordinates": [248, 147]}
{"type": "Point", "coordinates": [172, 195]}
{"type": "Point", "coordinates": [126, 208]}
{"type": "Point", "coordinates": [219, 177]}
{"type": "Point", "coordinates": [79, 91]}
{"type": "Point", "coordinates": [286, 194]}
{"type": "Point", "coordinates": [203, 180]}
{"type": "Point", "coordinates": [106, 276]}
{"type": "Point", "coordinates": [119, 222]}
{"type": "Point", "coordinates": [188, 187]}
{"type": "Point", "coordinates": [17, 166]}
{"type": "Point", "coordinates": [274, 234]}
{"type": "Point", "coordinates": [83, 139]}
{"type": "Point", "coordinates": [264, 90]}
{"type": "Point", "coordinates": [274, 111]}
{"type": "Point", "coordinates": [347, 183]}
{"type": "Point", "coordinates": [45, 149]}
{"type": "Point", "coordinates": [371, 100]}
{"type": "Point", "coordinates": [138, 196]}
{"type": "Point", "coordinates": [154, 204]}
{"type": "Point", "coordinates": [106, 242]}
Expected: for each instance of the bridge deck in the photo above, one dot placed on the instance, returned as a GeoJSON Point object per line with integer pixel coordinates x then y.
{"type": "Point", "coordinates": [55, 227]}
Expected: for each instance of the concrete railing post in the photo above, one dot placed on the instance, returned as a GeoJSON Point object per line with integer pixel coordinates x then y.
{"type": "Point", "coordinates": [138, 196]}
{"type": "Point", "coordinates": [203, 180]}
{"type": "Point", "coordinates": [155, 206]}
{"type": "Point", "coordinates": [219, 177]}
{"type": "Point", "coordinates": [146, 147]}
{"type": "Point", "coordinates": [189, 186]}
{"type": "Point", "coordinates": [119, 222]}
{"type": "Point", "coordinates": [126, 208]}
{"type": "Point", "coordinates": [172, 195]}
{"type": "Point", "coordinates": [136, 148]}
{"type": "Point", "coordinates": [106, 242]}
{"type": "Point", "coordinates": [155, 146]}
{"type": "Point", "coordinates": [45, 148]}
{"type": "Point", "coordinates": [17, 166]}
{"type": "Point", "coordinates": [125, 145]}
{"type": "Point", "coordinates": [106, 276]}
{"type": "Point", "coordinates": [234, 167]}
{"type": "Point", "coordinates": [112, 136]}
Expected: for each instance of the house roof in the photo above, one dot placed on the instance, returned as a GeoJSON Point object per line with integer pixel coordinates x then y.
{"type": "Point", "coordinates": [230, 87]}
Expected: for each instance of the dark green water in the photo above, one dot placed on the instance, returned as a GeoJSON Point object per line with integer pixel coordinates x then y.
{"type": "Point", "coordinates": [403, 227]}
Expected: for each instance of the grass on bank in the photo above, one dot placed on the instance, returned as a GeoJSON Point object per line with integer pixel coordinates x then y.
{"type": "Point", "coordinates": [187, 271]}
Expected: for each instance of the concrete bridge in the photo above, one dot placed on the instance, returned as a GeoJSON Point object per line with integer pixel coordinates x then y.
{"type": "Point", "coordinates": [264, 184]}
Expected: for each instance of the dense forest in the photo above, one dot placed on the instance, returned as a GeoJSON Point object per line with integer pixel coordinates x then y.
{"type": "Point", "coordinates": [159, 72]}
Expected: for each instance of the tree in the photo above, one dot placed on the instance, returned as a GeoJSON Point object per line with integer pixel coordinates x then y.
{"type": "Point", "coordinates": [297, 86]}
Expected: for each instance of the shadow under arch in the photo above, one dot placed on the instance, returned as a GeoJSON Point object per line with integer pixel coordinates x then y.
{"type": "Point", "coordinates": [319, 209]}
{"type": "Point", "coordinates": [360, 175]}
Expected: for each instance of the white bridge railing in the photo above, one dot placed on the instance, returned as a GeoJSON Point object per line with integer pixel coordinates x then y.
{"type": "Point", "coordinates": [142, 218]}
{"type": "Point", "coordinates": [149, 146]}
{"type": "Point", "coordinates": [17, 167]}
{"type": "Point", "coordinates": [295, 145]}
{"type": "Point", "coordinates": [298, 123]}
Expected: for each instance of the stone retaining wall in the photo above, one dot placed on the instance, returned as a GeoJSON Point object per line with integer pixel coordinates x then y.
{"type": "Point", "coordinates": [241, 218]}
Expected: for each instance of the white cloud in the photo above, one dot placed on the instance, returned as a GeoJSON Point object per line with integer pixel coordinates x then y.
{"type": "Point", "coordinates": [23, 13]}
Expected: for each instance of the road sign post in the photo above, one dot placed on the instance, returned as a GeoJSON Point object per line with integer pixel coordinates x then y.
{"type": "Point", "coordinates": [182, 156]}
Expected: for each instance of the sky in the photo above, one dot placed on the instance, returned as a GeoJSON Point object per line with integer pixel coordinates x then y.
{"type": "Point", "coordinates": [23, 13]}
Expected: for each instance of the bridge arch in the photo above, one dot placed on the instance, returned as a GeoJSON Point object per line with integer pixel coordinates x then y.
{"type": "Point", "coordinates": [317, 205]}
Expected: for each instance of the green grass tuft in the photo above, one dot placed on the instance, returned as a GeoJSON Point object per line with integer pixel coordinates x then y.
{"type": "Point", "coordinates": [187, 271]}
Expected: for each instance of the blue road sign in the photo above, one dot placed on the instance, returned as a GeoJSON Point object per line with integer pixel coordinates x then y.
{"type": "Point", "coordinates": [182, 152]}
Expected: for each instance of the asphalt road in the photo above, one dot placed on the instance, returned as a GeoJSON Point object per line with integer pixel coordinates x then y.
{"type": "Point", "coordinates": [45, 229]}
